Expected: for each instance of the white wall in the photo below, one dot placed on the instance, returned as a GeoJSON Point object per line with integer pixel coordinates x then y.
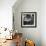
{"type": "Point", "coordinates": [43, 22]}
{"type": "Point", "coordinates": [35, 34]}
{"type": "Point", "coordinates": [6, 13]}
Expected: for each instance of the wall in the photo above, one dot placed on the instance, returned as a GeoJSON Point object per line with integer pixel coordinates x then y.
{"type": "Point", "coordinates": [6, 13]}
{"type": "Point", "coordinates": [35, 34]}
{"type": "Point", "coordinates": [43, 22]}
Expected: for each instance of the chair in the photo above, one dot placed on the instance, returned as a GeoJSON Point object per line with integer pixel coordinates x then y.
{"type": "Point", "coordinates": [18, 39]}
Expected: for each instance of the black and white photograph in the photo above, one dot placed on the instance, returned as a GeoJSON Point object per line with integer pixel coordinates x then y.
{"type": "Point", "coordinates": [28, 19]}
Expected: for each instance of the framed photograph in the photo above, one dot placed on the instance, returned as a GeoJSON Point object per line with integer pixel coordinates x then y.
{"type": "Point", "coordinates": [28, 19]}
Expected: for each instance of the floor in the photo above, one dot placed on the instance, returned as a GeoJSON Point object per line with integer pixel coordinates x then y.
{"type": "Point", "coordinates": [9, 43]}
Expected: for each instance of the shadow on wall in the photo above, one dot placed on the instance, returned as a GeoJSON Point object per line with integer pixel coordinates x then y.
{"type": "Point", "coordinates": [36, 40]}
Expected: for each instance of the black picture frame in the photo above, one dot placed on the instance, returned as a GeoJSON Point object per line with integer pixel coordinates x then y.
{"type": "Point", "coordinates": [28, 19]}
